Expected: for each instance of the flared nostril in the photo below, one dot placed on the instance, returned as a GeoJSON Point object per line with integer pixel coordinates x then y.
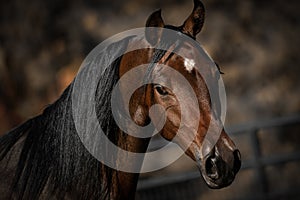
{"type": "Point", "coordinates": [211, 168]}
{"type": "Point", "coordinates": [237, 161]}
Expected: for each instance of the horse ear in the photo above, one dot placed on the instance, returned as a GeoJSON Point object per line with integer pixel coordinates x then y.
{"type": "Point", "coordinates": [153, 34]}
{"type": "Point", "coordinates": [194, 23]}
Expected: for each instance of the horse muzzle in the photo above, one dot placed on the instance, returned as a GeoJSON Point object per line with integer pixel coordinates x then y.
{"type": "Point", "coordinates": [219, 171]}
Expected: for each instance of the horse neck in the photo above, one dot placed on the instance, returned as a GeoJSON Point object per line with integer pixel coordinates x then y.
{"type": "Point", "coordinates": [128, 181]}
{"type": "Point", "coordinates": [122, 185]}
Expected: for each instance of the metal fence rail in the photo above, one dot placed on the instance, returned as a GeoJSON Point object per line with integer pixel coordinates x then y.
{"type": "Point", "coordinates": [258, 162]}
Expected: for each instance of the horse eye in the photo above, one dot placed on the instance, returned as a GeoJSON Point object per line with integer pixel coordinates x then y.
{"type": "Point", "coordinates": [161, 90]}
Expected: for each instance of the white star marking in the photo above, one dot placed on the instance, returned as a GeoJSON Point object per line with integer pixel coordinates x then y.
{"type": "Point", "coordinates": [189, 64]}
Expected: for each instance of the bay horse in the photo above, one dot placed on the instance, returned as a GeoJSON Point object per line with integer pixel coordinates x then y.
{"type": "Point", "coordinates": [44, 157]}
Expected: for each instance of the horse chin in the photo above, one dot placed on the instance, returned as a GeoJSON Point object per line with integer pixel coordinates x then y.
{"type": "Point", "coordinates": [216, 184]}
{"type": "Point", "coordinates": [211, 184]}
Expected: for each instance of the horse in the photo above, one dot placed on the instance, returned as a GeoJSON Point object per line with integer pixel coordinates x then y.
{"type": "Point", "coordinates": [44, 158]}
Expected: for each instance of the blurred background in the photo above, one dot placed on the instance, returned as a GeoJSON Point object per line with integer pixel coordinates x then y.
{"type": "Point", "coordinates": [256, 43]}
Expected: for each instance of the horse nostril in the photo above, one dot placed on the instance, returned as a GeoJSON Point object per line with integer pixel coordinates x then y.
{"type": "Point", "coordinates": [237, 161]}
{"type": "Point", "coordinates": [211, 168]}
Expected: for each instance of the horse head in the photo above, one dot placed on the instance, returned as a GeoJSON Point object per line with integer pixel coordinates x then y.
{"type": "Point", "coordinates": [222, 160]}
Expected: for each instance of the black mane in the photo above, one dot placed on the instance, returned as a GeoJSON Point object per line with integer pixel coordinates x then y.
{"type": "Point", "coordinates": [50, 160]}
